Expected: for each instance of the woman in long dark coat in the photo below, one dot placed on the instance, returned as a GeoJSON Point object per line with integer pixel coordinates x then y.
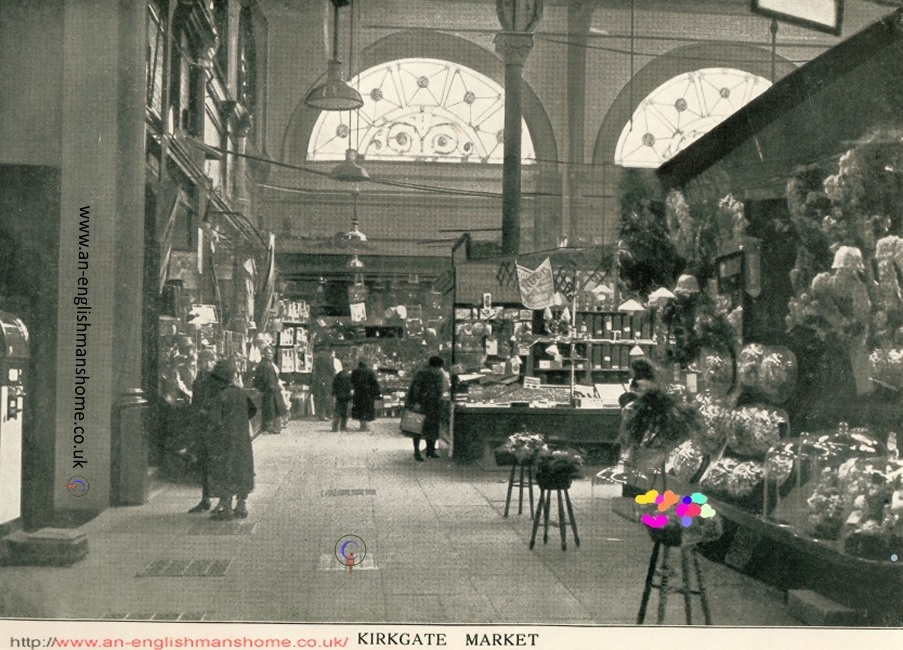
{"type": "Point", "coordinates": [425, 396]}
{"type": "Point", "coordinates": [366, 392]}
{"type": "Point", "coordinates": [231, 468]}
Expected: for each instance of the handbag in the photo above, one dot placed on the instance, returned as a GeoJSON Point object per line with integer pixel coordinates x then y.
{"type": "Point", "coordinates": [412, 422]}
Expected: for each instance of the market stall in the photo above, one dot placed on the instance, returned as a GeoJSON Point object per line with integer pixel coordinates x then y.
{"type": "Point", "coordinates": [797, 256]}
{"type": "Point", "coordinates": [541, 344]}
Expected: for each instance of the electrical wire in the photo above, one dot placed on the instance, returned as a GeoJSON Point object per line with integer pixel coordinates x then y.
{"type": "Point", "coordinates": [671, 55]}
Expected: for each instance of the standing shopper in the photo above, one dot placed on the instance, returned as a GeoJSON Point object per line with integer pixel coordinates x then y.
{"type": "Point", "coordinates": [321, 383]}
{"type": "Point", "coordinates": [231, 469]}
{"type": "Point", "coordinates": [341, 390]}
{"type": "Point", "coordinates": [366, 392]}
{"type": "Point", "coordinates": [203, 393]}
{"type": "Point", "coordinates": [266, 380]}
{"type": "Point", "coordinates": [425, 396]}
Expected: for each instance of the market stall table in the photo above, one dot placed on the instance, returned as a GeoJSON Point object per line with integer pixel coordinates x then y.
{"type": "Point", "coordinates": [479, 428]}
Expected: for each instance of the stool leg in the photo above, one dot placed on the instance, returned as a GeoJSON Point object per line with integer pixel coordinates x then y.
{"type": "Point", "coordinates": [562, 524]}
{"type": "Point", "coordinates": [567, 500]}
{"type": "Point", "coordinates": [647, 587]}
{"type": "Point", "coordinates": [685, 575]}
{"type": "Point", "coordinates": [520, 492]}
{"type": "Point", "coordinates": [663, 589]}
{"type": "Point", "coordinates": [510, 488]}
{"type": "Point", "coordinates": [530, 484]}
{"type": "Point", "coordinates": [702, 595]}
{"type": "Point", "coordinates": [536, 521]}
{"type": "Point", "coordinates": [548, 506]}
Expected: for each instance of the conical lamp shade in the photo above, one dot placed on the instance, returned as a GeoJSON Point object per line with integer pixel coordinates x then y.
{"type": "Point", "coordinates": [334, 94]}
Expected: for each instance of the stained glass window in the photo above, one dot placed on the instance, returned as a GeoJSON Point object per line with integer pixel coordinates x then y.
{"type": "Point", "coordinates": [419, 110]}
{"type": "Point", "coordinates": [681, 110]}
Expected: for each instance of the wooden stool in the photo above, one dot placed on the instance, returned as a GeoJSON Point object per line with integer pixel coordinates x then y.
{"type": "Point", "coordinates": [520, 484]}
{"type": "Point", "coordinates": [687, 553]}
{"type": "Point", "coordinates": [545, 502]}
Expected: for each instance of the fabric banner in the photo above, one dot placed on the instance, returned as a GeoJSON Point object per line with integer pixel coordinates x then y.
{"type": "Point", "coordinates": [537, 288]}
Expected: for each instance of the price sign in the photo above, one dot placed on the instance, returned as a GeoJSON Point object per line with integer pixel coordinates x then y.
{"type": "Point", "coordinates": [531, 382]}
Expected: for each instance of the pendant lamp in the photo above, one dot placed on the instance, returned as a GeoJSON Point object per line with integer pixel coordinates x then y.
{"type": "Point", "coordinates": [334, 94]}
{"type": "Point", "coordinates": [348, 170]}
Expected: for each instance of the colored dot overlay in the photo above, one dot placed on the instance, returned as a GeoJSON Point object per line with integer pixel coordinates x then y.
{"type": "Point", "coordinates": [685, 507]}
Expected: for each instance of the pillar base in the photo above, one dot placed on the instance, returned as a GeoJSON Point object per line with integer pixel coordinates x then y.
{"type": "Point", "coordinates": [45, 547]}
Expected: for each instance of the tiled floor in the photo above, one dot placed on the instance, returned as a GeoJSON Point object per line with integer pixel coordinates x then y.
{"type": "Point", "coordinates": [438, 549]}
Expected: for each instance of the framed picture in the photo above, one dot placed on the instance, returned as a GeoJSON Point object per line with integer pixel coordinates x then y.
{"type": "Point", "coordinates": [820, 15]}
{"type": "Point", "coordinates": [287, 336]}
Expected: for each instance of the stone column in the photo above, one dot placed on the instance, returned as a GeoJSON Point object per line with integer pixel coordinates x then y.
{"type": "Point", "coordinates": [580, 14]}
{"type": "Point", "coordinates": [518, 19]}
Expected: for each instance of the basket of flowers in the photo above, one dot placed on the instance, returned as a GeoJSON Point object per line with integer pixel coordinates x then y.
{"type": "Point", "coordinates": [556, 470]}
{"type": "Point", "coordinates": [520, 449]}
{"type": "Point", "coordinates": [675, 520]}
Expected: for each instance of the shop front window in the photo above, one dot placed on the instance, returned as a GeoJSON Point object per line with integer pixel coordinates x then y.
{"type": "Point", "coordinates": [681, 110]}
{"type": "Point", "coordinates": [420, 110]}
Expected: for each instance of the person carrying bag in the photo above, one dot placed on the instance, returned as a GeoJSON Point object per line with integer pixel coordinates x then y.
{"type": "Point", "coordinates": [424, 402]}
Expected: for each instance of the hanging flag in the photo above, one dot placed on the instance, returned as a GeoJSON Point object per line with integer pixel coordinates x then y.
{"type": "Point", "coordinates": [537, 287]}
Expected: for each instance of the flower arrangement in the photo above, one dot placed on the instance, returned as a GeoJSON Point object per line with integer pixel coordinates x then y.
{"type": "Point", "coordinates": [557, 469]}
{"type": "Point", "coordinates": [836, 305]}
{"type": "Point", "coordinates": [686, 461]}
{"type": "Point", "coordinates": [657, 419]}
{"type": "Point", "coordinates": [768, 370]}
{"type": "Point", "coordinates": [525, 447]}
{"type": "Point", "coordinates": [669, 517]}
{"type": "Point", "coordinates": [779, 462]}
{"type": "Point", "coordinates": [757, 429]}
{"type": "Point", "coordinates": [718, 422]}
{"type": "Point", "coordinates": [733, 478]}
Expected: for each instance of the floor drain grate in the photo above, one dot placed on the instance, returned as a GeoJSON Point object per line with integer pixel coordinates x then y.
{"type": "Point", "coordinates": [328, 562]}
{"type": "Point", "coordinates": [155, 616]}
{"type": "Point", "coordinates": [222, 528]}
{"type": "Point", "coordinates": [185, 569]}
{"type": "Point", "coordinates": [358, 492]}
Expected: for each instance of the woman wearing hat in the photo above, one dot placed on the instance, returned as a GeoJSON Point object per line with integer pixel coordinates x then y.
{"type": "Point", "coordinates": [231, 468]}
{"type": "Point", "coordinates": [425, 396]}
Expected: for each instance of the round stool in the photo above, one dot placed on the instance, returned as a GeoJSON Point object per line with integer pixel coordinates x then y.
{"type": "Point", "coordinates": [666, 572]}
{"type": "Point", "coordinates": [520, 483]}
{"type": "Point", "coordinates": [545, 504]}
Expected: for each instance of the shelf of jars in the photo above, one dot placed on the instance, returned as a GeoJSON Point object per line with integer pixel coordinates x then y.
{"type": "Point", "coordinates": [542, 371]}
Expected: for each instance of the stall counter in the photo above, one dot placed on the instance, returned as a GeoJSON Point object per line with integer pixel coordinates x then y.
{"type": "Point", "coordinates": [478, 429]}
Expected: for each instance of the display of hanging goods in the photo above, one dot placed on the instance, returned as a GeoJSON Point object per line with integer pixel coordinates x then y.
{"type": "Point", "coordinates": [412, 423]}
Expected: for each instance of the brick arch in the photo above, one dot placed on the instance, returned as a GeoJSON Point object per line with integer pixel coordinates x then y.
{"type": "Point", "coordinates": [669, 65]}
{"type": "Point", "coordinates": [432, 45]}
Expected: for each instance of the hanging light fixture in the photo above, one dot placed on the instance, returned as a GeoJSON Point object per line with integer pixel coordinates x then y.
{"type": "Point", "coordinates": [355, 262]}
{"type": "Point", "coordinates": [349, 170]}
{"type": "Point", "coordinates": [355, 236]}
{"type": "Point", "coordinates": [334, 94]}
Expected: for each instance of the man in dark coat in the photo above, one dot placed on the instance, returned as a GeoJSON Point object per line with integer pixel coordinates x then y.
{"type": "Point", "coordinates": [425, 396]}
{"type": "Point", "coordinates": [272, 405]}
{"type": "Point", "coordinates": [203, 392]}
{"type": "Point", "coordinates": [231, 469]}
{"type": "Point", "coordinates": [321, 383]}
{"type": "Point", "coordinates": [341, 390]}
{"type": "Point", "coordinates": [366, 391]}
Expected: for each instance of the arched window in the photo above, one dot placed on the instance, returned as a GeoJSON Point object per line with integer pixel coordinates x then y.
{"type": "Point", "coordinates": [681, 110]}
{"type": "Point", "coordinates": [419, 110]}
